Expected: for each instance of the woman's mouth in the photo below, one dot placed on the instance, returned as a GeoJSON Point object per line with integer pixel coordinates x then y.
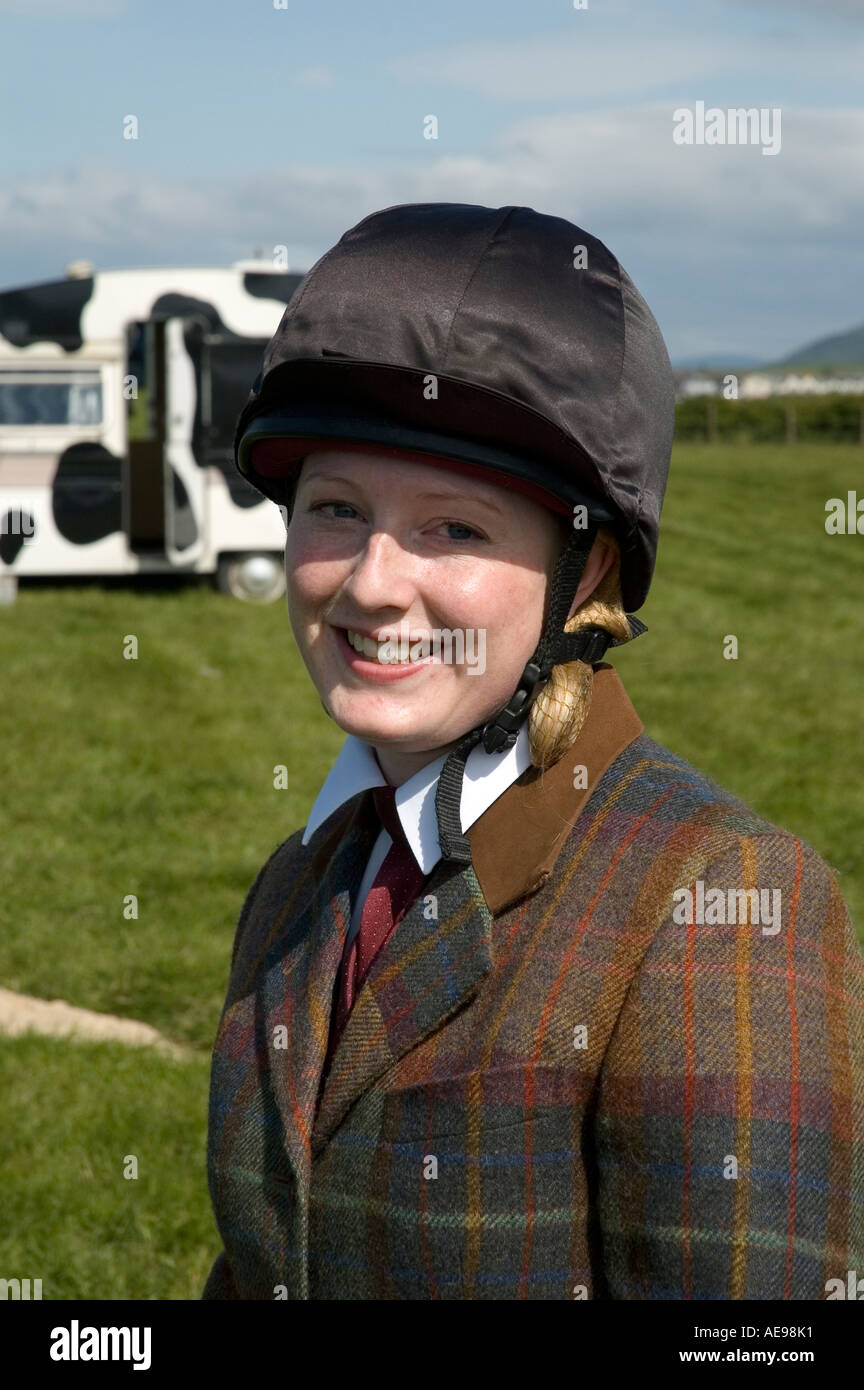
{"type": "Point", "coordinates": [382, 661]}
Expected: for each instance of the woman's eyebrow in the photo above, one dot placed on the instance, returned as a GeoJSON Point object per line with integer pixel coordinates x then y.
{"type": "Point", "coordinates": [447, 496]}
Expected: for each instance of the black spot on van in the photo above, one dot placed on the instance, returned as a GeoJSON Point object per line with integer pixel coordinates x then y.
{"type": "Point", "coordinates": [17, 527]}
{"type": "Point", "coordinates": [86, 499]}
{"type": "Point", "coordinates": [266, 285]}
{"type": "Point", "coordinates": [49, 313]}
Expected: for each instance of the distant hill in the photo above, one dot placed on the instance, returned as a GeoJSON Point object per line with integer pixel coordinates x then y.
{"type": "Point", "coordinates": [716, 363]}
{"type": "Point", "coordinates": [839, 350]}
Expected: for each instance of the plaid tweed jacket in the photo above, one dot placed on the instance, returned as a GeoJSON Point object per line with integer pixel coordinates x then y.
{"type": "Point", "coordinates": [565, 1077]}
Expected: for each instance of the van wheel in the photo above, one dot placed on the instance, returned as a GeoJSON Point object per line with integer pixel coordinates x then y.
{"type": "Point", "coordinates": [255, 578]}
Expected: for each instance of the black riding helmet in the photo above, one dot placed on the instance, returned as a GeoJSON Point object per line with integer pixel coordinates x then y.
{"type": "Point", "coordinates": [501, 338]}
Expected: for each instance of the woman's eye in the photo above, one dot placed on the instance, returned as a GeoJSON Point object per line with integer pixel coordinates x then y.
{"type": "Point", "coordinates": [468, 531]}
{"type": "Point", "coordinates": [319, 506]}
{"type": "Point", "coordinates": [460, 526]}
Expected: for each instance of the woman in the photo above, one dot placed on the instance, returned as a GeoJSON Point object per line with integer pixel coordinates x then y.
{"type": "Point", "coordinates": [530, 1008]}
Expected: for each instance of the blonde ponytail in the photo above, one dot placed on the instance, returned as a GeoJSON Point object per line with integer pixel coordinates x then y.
{"type": "Point", "coordinates": [560, 710]}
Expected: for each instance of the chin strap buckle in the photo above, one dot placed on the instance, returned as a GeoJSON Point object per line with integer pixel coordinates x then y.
{"type": "Point", "coordinates": [588, 644]}
{"type": "Point", "coordinates": [503, 733]}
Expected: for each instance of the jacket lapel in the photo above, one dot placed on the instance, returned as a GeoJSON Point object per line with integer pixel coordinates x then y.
{"type": "Point", "coordinates": [439, 955]}
{"type": "Point", "coordinates": [296, 994]}
{"type": "Point", "coordinates": [441, 951]}
{"type": "Point", "coordinates": [431, 965]}
{"type": "Point", "coordinates": [515, 844]}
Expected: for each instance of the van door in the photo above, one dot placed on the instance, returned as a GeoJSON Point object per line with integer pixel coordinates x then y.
{"type": "Point", "coordinates": [144, 389]}
{"type": "Point", "coordinates": [164, 487]}
{"type": "Point", "coordinates": [184, 481]}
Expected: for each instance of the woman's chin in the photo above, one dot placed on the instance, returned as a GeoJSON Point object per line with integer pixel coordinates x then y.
{"type": "Point", "coordinates": [382, 732]}
{"type": "Point", "coordinates": [406, 729]}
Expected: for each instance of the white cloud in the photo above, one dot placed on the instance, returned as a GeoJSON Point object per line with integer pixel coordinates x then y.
{"type": "Point", "coordinates": [624, 164]}
{"type": "Point", "coordinates": [604, 63]}
{"type": "Point", "coordinates": [722, 236]}
{"type": "Point", "coordinates": [614, 167]}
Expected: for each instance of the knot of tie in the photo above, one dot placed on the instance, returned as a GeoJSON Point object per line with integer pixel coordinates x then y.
{"type": "Point", "coordinates": [385, 805]}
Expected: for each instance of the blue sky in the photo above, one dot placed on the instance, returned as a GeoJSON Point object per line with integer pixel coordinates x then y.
{"type": "Point", "coordinates": [261, 126]}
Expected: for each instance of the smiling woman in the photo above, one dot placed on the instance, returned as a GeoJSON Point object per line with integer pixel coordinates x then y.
{"type": "Point", "coordinates": [385, 555]}
{"type": "Point", "coordinates": [470, 1048]}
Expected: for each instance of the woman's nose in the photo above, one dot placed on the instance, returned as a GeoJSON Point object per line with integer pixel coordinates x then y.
{"type": "Point", "coordinates": [382, 575]}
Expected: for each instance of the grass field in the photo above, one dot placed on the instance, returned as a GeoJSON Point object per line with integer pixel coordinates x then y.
{"type": "Point", "coordinates": [154, 777]}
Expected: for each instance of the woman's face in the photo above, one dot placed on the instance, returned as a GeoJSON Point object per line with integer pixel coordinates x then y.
{"type": "Point", "coordinates": [391, 549]}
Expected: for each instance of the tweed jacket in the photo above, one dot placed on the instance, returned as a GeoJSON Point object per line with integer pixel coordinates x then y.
{"type": "Point", "coordinates": [576, 1070]}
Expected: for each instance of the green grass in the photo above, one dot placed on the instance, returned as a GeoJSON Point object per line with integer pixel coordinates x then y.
{"type": "Point", "coordinates": [73, 1113]}
{"type": "Point", "coordinates": [155, 777]}
{"type": "Point", "coordinates": [147, 777]}
{"type": "Point", "coordinates": [744, 551]}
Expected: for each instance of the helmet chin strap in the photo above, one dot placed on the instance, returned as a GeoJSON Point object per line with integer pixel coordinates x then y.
{"type": "Point", "coordinates": [555, 647]}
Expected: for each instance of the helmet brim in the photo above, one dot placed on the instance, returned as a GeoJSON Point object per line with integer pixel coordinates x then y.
{"type": "Point", "coordinates": [294, 435]}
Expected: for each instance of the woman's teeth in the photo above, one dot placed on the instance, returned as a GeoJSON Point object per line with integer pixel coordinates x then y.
{"type": "Point", "coordinates": [386, 652]}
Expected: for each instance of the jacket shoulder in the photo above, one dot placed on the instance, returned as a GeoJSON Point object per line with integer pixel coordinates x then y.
{"type": "Point", "coordinates": [656, 825]}
{"type": "Point", "coordinates": [283, 889]}
{"type": "Point", "coordinates": [737, 1035]}
{"type": "Point", "coordinates": [648, 780]}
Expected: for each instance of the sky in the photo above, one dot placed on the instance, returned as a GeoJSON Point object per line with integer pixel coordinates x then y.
{"type": "Point", "coordinates": [261, 126]}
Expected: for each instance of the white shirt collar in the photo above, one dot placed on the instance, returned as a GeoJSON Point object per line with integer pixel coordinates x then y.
{"type": "Point", "coordinates": [487, 776]}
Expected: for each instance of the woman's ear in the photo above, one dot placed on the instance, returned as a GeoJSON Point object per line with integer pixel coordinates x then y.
{"type": "Point", "coordinates": [600, 561]}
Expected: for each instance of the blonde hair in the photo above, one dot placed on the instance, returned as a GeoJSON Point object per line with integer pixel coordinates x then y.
{"type": "Point", "coordinates": [560, 710]}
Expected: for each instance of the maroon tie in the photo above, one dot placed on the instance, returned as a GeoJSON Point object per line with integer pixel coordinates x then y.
{"type": "Point", "coordinates": [396, 886]}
